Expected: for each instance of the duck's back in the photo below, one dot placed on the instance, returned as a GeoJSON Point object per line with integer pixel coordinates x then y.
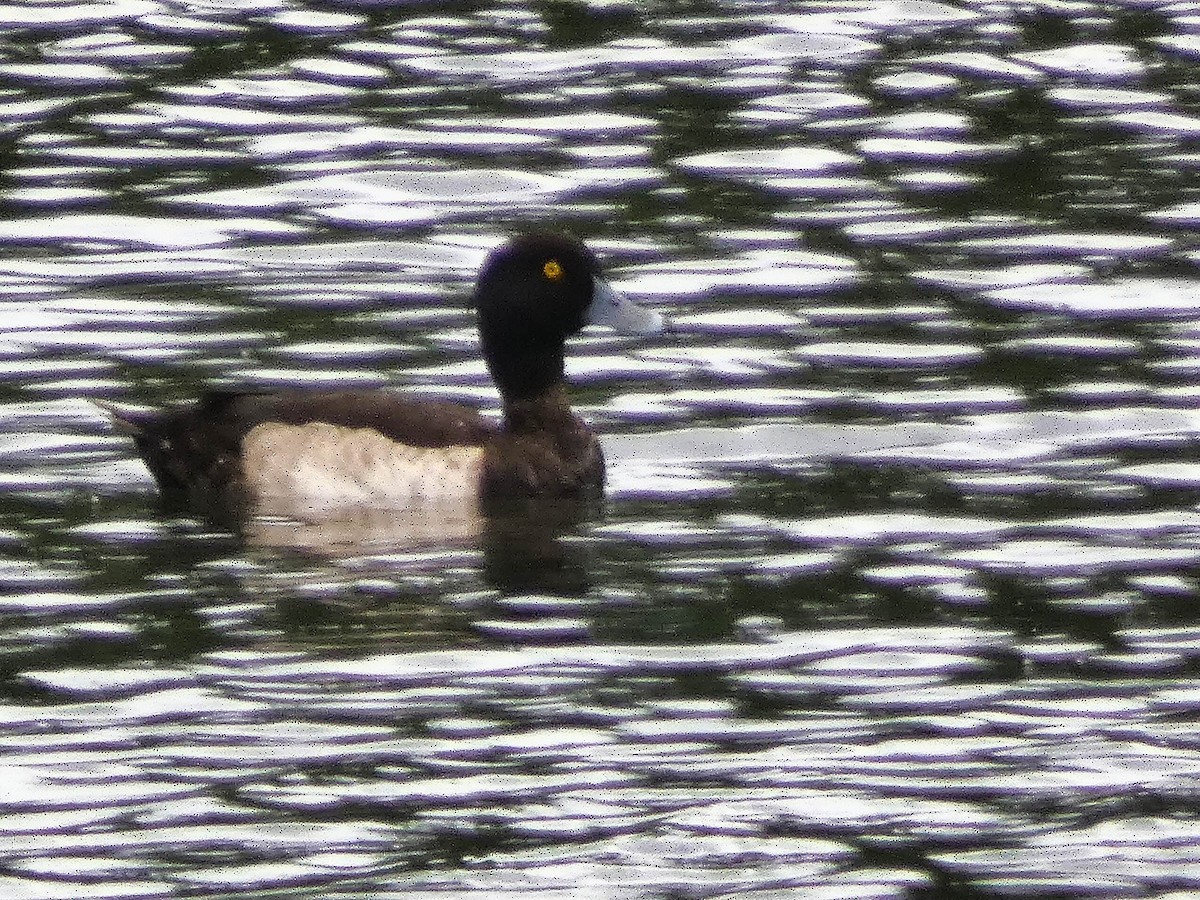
{"type": "Point", "coordinates": [375, 448]}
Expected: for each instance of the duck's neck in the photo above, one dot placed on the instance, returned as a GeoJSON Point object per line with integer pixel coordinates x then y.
{"type": "Point", "coordinates": [547, 413]}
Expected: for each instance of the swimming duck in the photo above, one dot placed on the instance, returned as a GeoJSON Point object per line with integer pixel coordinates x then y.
{"type": "Point", "coordinates": [304, 452]}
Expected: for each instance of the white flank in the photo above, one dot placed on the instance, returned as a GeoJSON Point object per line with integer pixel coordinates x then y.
{"type": "Point", "coordinates": [320, 467]}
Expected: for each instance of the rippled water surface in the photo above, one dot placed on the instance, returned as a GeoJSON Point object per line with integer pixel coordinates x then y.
{"type": "Point", "coordinates": [896, 591]}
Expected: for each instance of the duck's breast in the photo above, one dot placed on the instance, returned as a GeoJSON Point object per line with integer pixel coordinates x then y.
{"type": "Point", "coordinates": [317, 466]}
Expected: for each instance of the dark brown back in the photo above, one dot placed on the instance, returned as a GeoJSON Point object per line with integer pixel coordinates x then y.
{"type": "Point", "coordinates": [197, 451]}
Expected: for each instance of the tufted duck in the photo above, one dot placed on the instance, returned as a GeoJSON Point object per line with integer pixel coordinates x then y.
{"type": "Point", "coordinates": [306, 452]}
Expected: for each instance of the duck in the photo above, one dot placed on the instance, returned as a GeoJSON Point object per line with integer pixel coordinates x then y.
{"type": "Point", "coordinates": [311, 452]}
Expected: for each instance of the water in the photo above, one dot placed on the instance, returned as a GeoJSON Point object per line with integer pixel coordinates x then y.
{"type": "Point", "coordinates": [895, 591]}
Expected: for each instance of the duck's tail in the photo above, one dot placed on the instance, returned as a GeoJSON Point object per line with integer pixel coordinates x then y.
{"type": "Point", "coordinates": [132, 422]}
{"type": "Point", "coordinates": [148, 428]}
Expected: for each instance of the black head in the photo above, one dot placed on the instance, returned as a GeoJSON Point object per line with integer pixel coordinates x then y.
{"type": "Point", "coordinates": [532, 294]}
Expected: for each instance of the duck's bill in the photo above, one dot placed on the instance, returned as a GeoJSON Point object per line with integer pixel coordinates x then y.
{"type": "Point", "coordinates": [612, 308]}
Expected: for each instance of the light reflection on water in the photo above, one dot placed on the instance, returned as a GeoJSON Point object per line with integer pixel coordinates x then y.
{"type": "Point", "coordinates": [894, 592]}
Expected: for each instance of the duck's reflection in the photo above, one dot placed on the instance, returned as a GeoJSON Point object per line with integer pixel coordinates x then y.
{"type": "Point", "coordinates": [355, 531]}
{"type": "Point", "coordinates": [542, 552]}
{"type": "Point", "coordinates": [533, 547]}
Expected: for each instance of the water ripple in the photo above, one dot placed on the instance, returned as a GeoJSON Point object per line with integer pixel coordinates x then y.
{"type": "Point", "coordinates": [385, 189]}
{"type": "Point", "coordinates": [1087, 62]}
{"type": "Point", "coordinates": [112, 230]}
{"type": "Point", "coordinates": [1120, 298]}
{"type": "Point", "coordinates": [898, 553]}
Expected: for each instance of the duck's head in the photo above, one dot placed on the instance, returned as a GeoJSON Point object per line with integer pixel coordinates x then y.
{"type": "Point", "coordinates": [532, 294]}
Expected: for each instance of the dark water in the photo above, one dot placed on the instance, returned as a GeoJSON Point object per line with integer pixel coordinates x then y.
{"type": "Point", "coordinates": [896, 593]}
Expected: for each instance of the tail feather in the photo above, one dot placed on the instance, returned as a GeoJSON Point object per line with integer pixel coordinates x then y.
{"type": "Point", "coordinates": [126, 420]}
{"type": "Point", "coordinates": [148, 429]}
{"type": "Point", "coordinates": [185, 454]}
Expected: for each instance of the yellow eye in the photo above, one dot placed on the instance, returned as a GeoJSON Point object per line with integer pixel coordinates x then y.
{"type": "Point", "coordinates": [553, 270]}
